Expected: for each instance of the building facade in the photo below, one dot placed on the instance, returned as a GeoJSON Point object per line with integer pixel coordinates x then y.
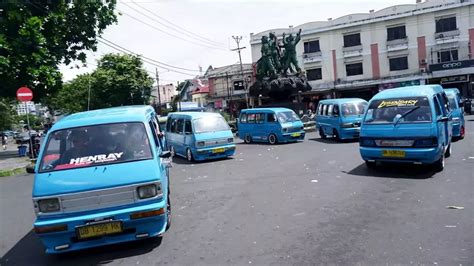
{"type": "Point", "coordinates": [358, 55]}
{"type": "Point", "coordinates": [163, 94]}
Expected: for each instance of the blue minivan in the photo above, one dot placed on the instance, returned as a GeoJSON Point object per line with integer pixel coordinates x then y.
{"type": "Point", "coordinates": [456, 105]}
{"type": "Point", "coordinates": [409, 124]}
{"type": "Point", "coordinates": [199, 136]}
{"type": "Point", "coordinates": [272, 125]}
{"type": "Point", "coordinates": [340, 118]}
{"type": "Point", "coordinates": [102, 178]}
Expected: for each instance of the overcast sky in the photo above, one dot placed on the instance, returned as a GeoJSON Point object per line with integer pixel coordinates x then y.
{"type": "Point", "coordinates": [197, 33]}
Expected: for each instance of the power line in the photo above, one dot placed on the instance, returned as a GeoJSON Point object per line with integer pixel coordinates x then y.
{"type": "Point", "coordinates": [170, 34]}
{"type": "Point", "coordinates": [176, 26]}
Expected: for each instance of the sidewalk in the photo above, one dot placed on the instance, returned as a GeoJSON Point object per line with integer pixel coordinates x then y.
{"type": "Point", "coordinates": [10, 163]}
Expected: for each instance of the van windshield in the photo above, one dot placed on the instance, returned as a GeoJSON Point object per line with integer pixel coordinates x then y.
{"type": "Point", "coordinates": [95, 145]}
{"type": "Point", "coordinates": [452, 101]}
{"type": "Point", "coordinates": [349, 109]}
{"type": "Point", "coordinates": [408, 110]}
{"type": "Point", "coordinates": [288, 116]}
{"type": "Point", "coordinates": [210, 124]}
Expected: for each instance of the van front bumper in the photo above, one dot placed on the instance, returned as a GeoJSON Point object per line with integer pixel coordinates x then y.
{"type": "Point", "coordinates": [349, 133]}
{"type": "Point", "coordinates": [133, 229]}
{"type": "Point", "coordinates": [294, 136]}
{"type": "Point", "coordinates": [214, 152]}
{"type": "Point", "coordinates": [412, 155]}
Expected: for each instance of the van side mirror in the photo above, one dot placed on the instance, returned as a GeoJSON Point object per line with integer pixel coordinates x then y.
{"type": "Point", "coordinates": [165, 154]}
{"type": "Point", "coordinates": [443, 119]}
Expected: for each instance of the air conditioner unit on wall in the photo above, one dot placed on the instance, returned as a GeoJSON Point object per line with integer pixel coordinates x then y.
{"type": "Point", "coordinates": [423, 61]}
{"type": "Point", "coordinates": [423, 70]}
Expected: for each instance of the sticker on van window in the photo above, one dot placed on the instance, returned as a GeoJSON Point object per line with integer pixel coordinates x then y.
{"type": "Point", "coordinates": [397, 103]}
{"type": "Point", "coordinates": [100, 158]}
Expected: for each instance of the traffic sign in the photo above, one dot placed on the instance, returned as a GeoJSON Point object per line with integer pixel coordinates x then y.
{"type": "Point", "coordinates": [24, 94]}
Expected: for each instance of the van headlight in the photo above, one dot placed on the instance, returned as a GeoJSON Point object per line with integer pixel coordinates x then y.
{"type": "Point", "coordinates": [149, 191]}
{"type": "Point", "coordinates": [201, 143]}
{"type": "Point", "coordinates": [48, 205]}
{"type": "Point", "coordinates": [230, 140]}
{"type": "Point", "coordinates": [347, 125]}
{"type": "Point", "coordinates": [285, 129]}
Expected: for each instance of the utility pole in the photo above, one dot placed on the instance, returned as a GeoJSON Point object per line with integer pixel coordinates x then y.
{"type": "Point", "coordinates": [237, 39]}
{"type": "Point", "coordinates": [158, 90]}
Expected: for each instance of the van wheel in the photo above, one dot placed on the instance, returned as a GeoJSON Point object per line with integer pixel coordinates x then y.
{"type": "Point", "coordinates": [336, 135]}
{"type": "Point", "coordinates": [189, 155]}
{"type": "Point", "coordinates": [248, 139]}
{"type": "Point", "coordinates": [272, 139]}
{"type": "Point", "coordinates": [321, 133]}
{"type": "Point", "coordinates": [172, 151]}
{"type": "Point", "coordinates": [448, 151]}
{"type": "Point", "coordinates": [168, 211]}
{"type": "Point", "coordinates": [370, 165]}
{"type": "Point", "coordinates": [439, 165]}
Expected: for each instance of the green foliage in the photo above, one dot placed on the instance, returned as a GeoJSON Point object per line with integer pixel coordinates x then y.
{"type": "Point", "coordinates": [118, 80]}
{"type": "Point", "coordinates": [36, 36]}
{"type": "Point", "coordinates": [7, 115]}
{"type": "Point", "coordinates": [226, 116]}
{"type": "Point", "coordinates": [36, 122]}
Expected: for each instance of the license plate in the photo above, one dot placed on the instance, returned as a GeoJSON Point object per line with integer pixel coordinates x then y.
{"type": "Point", "coordinates": [219, 150]}
{"type": "Point", "coordinates": [393, 153]}
{"type": "Point", "coordinates": [99, 229]}
{"type": "Point", "coordinates": [296, 134]}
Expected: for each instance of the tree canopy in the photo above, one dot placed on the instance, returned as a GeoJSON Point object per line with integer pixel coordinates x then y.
{"type": "Point", "coordinates": [36, 36]}
{"type": "Point", "coordinates": [118, 80]}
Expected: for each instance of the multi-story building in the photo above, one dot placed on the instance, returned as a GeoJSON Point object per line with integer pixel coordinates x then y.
{"type": "Point", "coordinates": [163, 94]}
{"type": "Point", "coordinates": [361, 54]}
{"type": "Point", "coordinates": [29, 107]}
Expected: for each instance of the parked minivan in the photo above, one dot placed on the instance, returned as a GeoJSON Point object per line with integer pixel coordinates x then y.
{"type": "Point", "coordinates": [340, 118]}
{"type": "Point", "coordinates": [102, 178]}
{"type": "Point", "coordinates": [456, 106]}
{"type": "Point", "coordinates": [199, 136]}
{"type": "Point", "coordinates": [409, 124]}
{"type": "Point", "coordinates": [272, 125]}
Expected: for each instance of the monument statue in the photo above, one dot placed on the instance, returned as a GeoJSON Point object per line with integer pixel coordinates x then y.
{"type": "Point", "coordinates": [289, 59]}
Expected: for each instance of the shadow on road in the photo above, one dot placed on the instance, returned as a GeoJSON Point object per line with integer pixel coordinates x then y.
{"type": "Point", "coordinates": [334, 141]}
{"type": "Point", "coordinates": [182, 161]}
{"type": "Point", "coordinates": [394, 170]}
{"type": "Point", "coordinates": [30, 251]}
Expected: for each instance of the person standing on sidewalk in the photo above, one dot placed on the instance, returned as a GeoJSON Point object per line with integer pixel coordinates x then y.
{"type": "Point", "coordinates": [4, 141]}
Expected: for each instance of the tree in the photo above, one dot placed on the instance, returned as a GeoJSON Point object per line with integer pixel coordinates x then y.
{"type": "Point", "coordinates": [118, 80]}
{"type": "Point", "coordinates": [36, 36]}
{"type": "Point", "coordinates": [6, 115]}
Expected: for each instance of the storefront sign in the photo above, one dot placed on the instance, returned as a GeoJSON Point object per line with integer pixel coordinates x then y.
{"type": "Point", "coordinates": [452, 65]}
{"type": "Point", "coordinates": [454, 79]}
{"type": "Point", "coordinates": [398, 84]}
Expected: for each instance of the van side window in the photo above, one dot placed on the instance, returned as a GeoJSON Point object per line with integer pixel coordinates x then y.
{"type": "Point", "coordinates": [330, 107]}
{"type": "Point", "coordinates": [271, 118]}
{"type": "Point", "coordinates": [154, 133]}
{"type": "Point", "coordinates": [318, 112]}
{"type": "Point", "coordinates": [259, 118]}
{"type": "Point", "coordinates": [180, 126]}
{"type": "Point", "coordinates": [325, 110]}
{"type": "Point", "coordinates": [251, 118]}
{"type": "Point", "coordinates": [436, 105]}
{"type": "Point", "coordinates": [335, 110]}
{"type": "Point", "coordinates": [243, 118]}
{"type": "Point", "coordinates": [168, 125]}
{"type": "Point", "coordinates": [188, 129]}
{"type": "Point", "coordinates": [173, 124]}
{"type": "Point", "coordinates": [446, 102]}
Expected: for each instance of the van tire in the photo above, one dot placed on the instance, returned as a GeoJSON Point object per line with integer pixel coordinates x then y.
{"type": "Point", "coordinates": [168, 212]}
{"type": "Point", "coordinates": [189, 155]}
{"type": "Point", "coordinates": [336, 135]}
{"type": "Point", "coordinates": [248, 139]}
{"type": "Point", "coordinates": [439, 164]}
{"type": "Point", "coordinates": [321, 133]}
{"type": "Point", "coordinates": [272, 139]}
{"type": "Point", "coordinates": [447, 154]}
{"type": "Point", "coordinates": [172, 151]}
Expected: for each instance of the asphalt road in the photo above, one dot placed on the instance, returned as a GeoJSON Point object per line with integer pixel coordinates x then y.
{"type": "Point", "coordinates": [313, 202]}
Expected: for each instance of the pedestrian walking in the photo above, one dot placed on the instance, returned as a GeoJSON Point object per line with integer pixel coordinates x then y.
{"type": "Point", "coordinates": [4, 141]}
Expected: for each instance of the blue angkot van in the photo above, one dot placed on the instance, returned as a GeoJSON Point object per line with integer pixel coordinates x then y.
{"type": "Point", "coordinates": [340, 118]}
{"type": "Point", "coordinates": [102, 178]}
{"type": "Point", "coordinates": [199, 136]}
{"type": "Point", "coordinates": [272, 125]}
{"type": "Point", "coordinates": [407, 125]}
{"type": "Point", "coordinates": [456, 105]}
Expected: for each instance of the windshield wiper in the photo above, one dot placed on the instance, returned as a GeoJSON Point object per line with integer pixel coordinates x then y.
{"type": "Point", "coordinates": [405, 114]}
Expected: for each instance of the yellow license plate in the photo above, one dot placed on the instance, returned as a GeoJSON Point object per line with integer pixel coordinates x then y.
{"type": "Point", "coordinates": [219, 150]}
{"type": "Point", "coordinates": [296, 134]}
{"type": "Point", "coordinates": [393, 153]}
{"type": "Point", "coordinates": [101, 229]}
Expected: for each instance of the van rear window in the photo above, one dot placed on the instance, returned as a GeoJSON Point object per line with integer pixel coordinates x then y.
{"type": "Point", "coordinates": [408, 110]}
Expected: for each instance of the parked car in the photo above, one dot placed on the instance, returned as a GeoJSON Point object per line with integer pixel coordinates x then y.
{"type": "Point", "coordinates": [407, 125]}
{"type": "Point", "coordinates": [272, 125]}
{"type": "Point", "coordinates": [455, 104]}
{"type": "Point", "coordinates": [340, 118]}
{"type": "Point", "coordinates": [101, 178]}
{"type": "Point", "coordinates": [199, 136]}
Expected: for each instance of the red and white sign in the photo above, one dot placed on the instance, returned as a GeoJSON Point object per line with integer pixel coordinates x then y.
{"type": "Point", "coordinates": [24, 94]}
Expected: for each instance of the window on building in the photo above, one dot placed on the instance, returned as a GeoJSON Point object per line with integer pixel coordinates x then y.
{"type": "Point", "coordinates": [354, 69]}
{"type": "Point", "coordinates": [396, 33]}
{"type": "Point", "coordinates": [399, 63]}
{"type": "Point", "coordinates": [447, 56]}
{"type": "Point", "coordinates": [239, 85]}
{"type": "Point", "coordinates": [314, 74]}
{"type": "Point", "coordinates": [352, 40]}
{"type": "Point", "coordinates": [446, 24]}
{"type": "Point", "coordinates": [311, 47]}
